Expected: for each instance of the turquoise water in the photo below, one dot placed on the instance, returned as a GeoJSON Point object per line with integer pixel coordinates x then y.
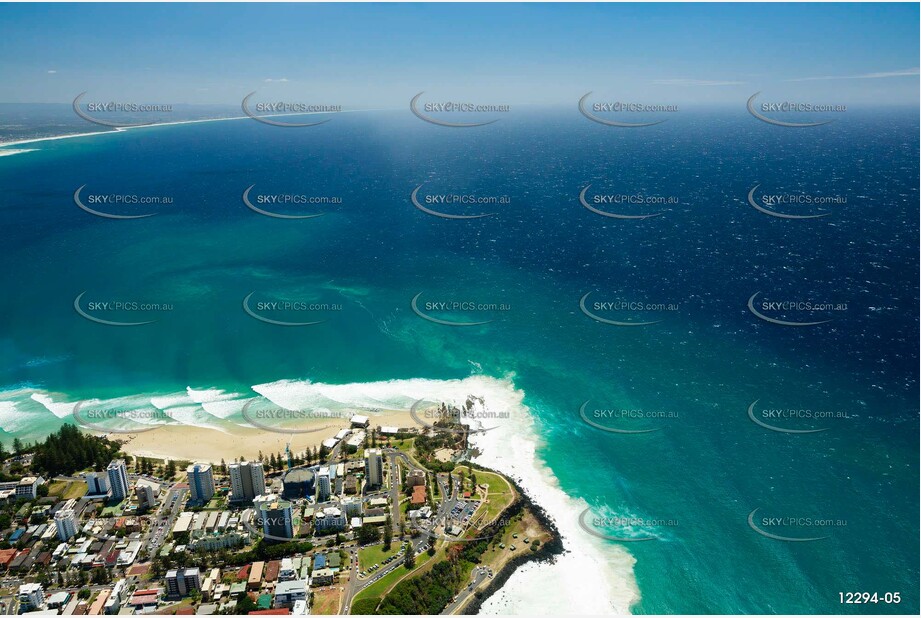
{"type": "Point", "coordinates": [705, 468]}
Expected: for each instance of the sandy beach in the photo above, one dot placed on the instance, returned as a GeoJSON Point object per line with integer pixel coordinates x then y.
{"type": "Point", "coordinates": [117, 130]}
{"type": "Point", "coordinates": [183, 442]}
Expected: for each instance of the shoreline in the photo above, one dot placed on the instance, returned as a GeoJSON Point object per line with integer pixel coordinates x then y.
{"type": "Point", "coordinates": [512, 449]}
{"type": "Point", "coordinates": [548, 552]}
{"type": "Point", "coordinates": [212, 444]}
{"type": "Point", "coordinates": [607, 569]}
{"type": "Point", "coordinates": [116, 130]}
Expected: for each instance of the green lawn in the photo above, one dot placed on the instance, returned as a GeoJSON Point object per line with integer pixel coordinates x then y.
{"type": "Point", "coordinates": [115, 509]}
{"type": "Point", "coordinates": [500, 494]}
{"type": "Point", "coordinates": [375, 555]}
{"type": "Point", "coordinates": [217, 503]}
{"type": "Point", "coordinates": [406, 446]}
{"type": "Point", "coordinates": [65, 490]}
{"type": "Point", "coordinates": [378, 588]}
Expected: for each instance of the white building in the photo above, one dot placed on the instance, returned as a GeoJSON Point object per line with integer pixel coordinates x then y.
{"type": "Point", "coordinates": [374, 467]}
{"type": "Point", "coordinates": [324, 486]}
{"type": "Point", "coordinates": [118, 479]}
{"type": "Point", "coordinates": [289, 592]}
{"type": "Point", "coordinates": [247, 480]}
{"type": "Point", "coordinates": [329, 519]}
{"type": "Point", "coordinates": [31, 597]}
{"type": "Point", "coordinates": [201, 482]}
{"type": "Point", "coordinates": [184, 522]}
{"type": "Point", "coordinates": [115, 600]}
{"type": "Point", "coordinates": [128, 555]}
{"type": "Point", "coordinates": [147, 492]}
{"type": "Point", "coordinates": [287, 572]}
{"type": "Point", "coordinates": [360, 421]}
{"type": "Point", "coordinates": [28, 487]}
{"type": "Point", "coordinates": [354, 443]}
{"type": "Point", "coordinates": [67, 524]}
{"type": "Point", "coordinates": [352, 507]}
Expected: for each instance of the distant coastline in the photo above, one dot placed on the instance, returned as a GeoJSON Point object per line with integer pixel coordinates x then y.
{"type": "Point", "coordinates": [116, 130]}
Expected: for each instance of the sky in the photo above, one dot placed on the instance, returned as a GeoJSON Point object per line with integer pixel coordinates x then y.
{"type": "Point", "coordinates": [380, 55]}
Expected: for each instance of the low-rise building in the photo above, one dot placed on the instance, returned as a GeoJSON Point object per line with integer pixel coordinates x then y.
{"type": "Point", "coordinates": [322, 577]}
{"type": "Point", "coordinates": [254, 581]}
{"type": "Point", "coordinates": [28, 487]}
{"type": "Point", "coordinates": [329, 519]}
{"type": "Point", "coordinates": [115, 600]}
{"type": "Point", "coordinates": [183, 523]}
{"type": "Point", "coordinates": [287, 571]}
{"type": "Point", "coordinates": [288, 592]}
{"type": "Point", "coordinates": [144, 599]}
{"type": "Point", "coordinates": [58, 600]}
{"type": "Point", "coordinates": [418, 495]}
{"type": "Point", "coordinates": [98, 605]}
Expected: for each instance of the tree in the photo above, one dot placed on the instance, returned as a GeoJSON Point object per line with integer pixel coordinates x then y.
{"type": "Point", "coordinates": [17, 445]}
{"type": "Point", "coordinates": [388, 533]}
{"type": "Point", "coordinates": [245, 605]}
{"type": "Point", "coordinates": [409, 556]}
{"type": "Point", "coordinates": [68, 450]}
{"type": "Point", "coordinates": [368, 534]}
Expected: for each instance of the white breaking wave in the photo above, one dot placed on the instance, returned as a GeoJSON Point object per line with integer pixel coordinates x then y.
{"type": "Point", "coordinates": [217, 402]}
{"type": "Point", "coordinates": [593, 577]}
{"type": "Point", "coordinates": [590, 564]}
{"type": "Point", "coordinates": [59, 409]}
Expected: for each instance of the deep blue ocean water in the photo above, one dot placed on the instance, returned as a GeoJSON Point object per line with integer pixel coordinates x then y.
{"type": "Point", "coordinates": [706, 468]}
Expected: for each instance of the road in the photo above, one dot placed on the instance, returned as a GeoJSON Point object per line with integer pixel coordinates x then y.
{"type": "Point", "coordinates": [171, 505]}
{"type": "Point", "coordinates": [395, 484]}
{"type": "Point", "coordinates": [480, 574]}
{"type": "Point", "coordinates": [355, 585]}
{"type": "Point", "coordinates": [394, 490]}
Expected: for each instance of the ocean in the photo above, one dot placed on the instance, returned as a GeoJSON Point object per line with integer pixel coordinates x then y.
{"type": "Point", "coordinates": [681, 515]}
